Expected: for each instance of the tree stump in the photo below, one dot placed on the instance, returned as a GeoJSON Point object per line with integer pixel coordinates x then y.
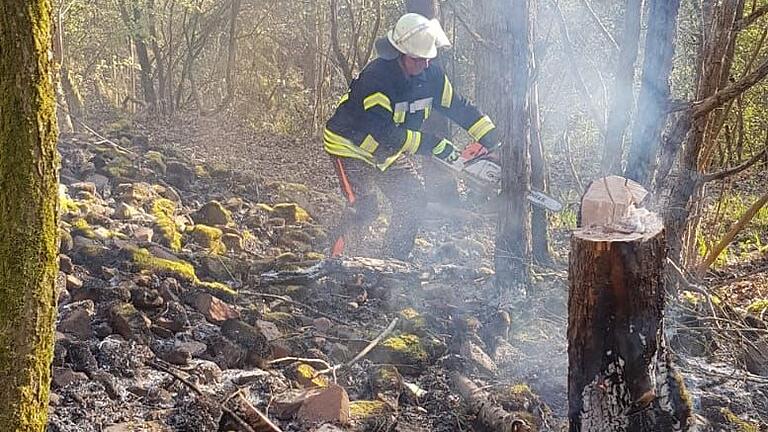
{"type": "Point", "coordinates": [620, 377]}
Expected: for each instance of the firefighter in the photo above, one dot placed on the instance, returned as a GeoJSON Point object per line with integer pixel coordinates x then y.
{"type": "Point", "coordinates": [376, 127]}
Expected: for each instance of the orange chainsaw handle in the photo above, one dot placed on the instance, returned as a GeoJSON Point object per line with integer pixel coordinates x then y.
{"type": "Point", "coordinates": [476, 150]}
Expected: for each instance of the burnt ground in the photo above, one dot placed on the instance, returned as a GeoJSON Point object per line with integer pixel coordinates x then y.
{"type": "Point", "coordinates": [126, 320]}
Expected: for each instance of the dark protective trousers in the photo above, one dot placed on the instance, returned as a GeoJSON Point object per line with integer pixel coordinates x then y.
{"type": "Point", "coordinates": [403, 187]}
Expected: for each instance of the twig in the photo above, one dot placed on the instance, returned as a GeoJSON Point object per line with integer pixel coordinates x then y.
{"type": "Point", "coordinates": [327, 365]}
{"type": "Point", "coordinates": [263, 419]}
{"type": "Point", "coordinates": [299, 359]}
{"type": "Point", "coordinates": [365, 350]}
{"type": "Point", "coordinates": [98, 135]}
{"type": "Point", "coordinates": [199, 392]}
{"type": "Point", "coordinates": [305, 306]}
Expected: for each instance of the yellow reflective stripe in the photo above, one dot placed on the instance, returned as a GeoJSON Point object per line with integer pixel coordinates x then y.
{"type": "Point", "coordinates": [369, 144]}
{"type": "Point", "coordinates": [340, 146]}
{"type": "Point", "coordinates": [427, 112]}
{"type": "Point", "coordinates": [440, 147]}
{"type": "Point", "coordinates": [399, 117]}
{"type": "Point", "coordinates": [412, 142]}
{"type": "Point", "coordinates": [334, 138]}
{"type": "Point", "coordinates": [411, 146]}
{"type": "Point", "coordinates": [447, 93]}
{"type": "Point", "coordinates": [343, 99]}
{"type": "Point", "coordinates": [481, 127]}
{"type": "Point", "coordinates": [346, 152]}
{"type": "Point", "coordinates": [377, 98]}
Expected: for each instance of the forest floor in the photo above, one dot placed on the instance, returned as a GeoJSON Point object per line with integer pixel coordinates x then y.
{"type": "Point", "coordinates": [195, 247]}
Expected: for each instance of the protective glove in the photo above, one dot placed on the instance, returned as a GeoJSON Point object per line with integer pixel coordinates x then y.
{"type": "Point", "coordinates": [446, 151]}
{"type": "Point", "coordinates": [491, 141]}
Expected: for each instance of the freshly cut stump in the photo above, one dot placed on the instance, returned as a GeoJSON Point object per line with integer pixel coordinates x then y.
{"type": "Point", "coordinates": [620, 377]}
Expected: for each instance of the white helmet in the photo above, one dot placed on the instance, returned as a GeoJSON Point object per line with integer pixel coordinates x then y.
{"type": "Point", "coordinates": [418, 36]}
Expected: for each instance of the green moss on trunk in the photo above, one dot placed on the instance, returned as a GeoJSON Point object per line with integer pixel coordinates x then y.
{"type": "Point", "coordinates": [28, 214]}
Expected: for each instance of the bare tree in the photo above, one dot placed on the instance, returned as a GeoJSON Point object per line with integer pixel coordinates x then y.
{"type": "Point", "coordinates": [654, 91]}
{"type": "Point", "coordinates": [507, 70]}
{"type": "Point", "coordinates": [622, 101]}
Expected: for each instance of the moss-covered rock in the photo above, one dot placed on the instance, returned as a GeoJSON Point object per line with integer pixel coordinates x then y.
{"type": "Point", "coordinates": [208, 237]}
{"type": "Point", "coordinates": [412, 321]}
{"type": "Point", "coordinates": [292, 213]}
{"type": "Point", "coordinates": [737, 423]}
{"type": "Point", "coordinates": [163, 211]}
{"type": "Point", "coordinates": [68, 205]}
{"type": "Point", "coordinates": [81, 227]}
{"type": "Point", "coordinates": [138, 194]}
{"type": "Point", "coordinates": [179, 174]}
{"type": "Point", "coordinates": [758, 307]}
{"type": "Point", "coordinates": [405, 349]}
{"type": "Point", "coordinates": [129, 322]}
{"type": "Point", "coordinates": [233, 242]}
{"type": "Point", "coordinates": [367, 409]}
{"type": "Point", "coordinates": [120, 167]}
{"type": "Point", "coordinates": [125, 211]}
{"type": "Point", "coordinates": [308, 377]}
{"type": "Point", "coordinates": [212, 213]}
{"type": "Point", "coordinates": [218, 289]}
{"type": "Point", "coordinates": [387, 384]}
{"type": "Point", "coordinates": [287, 257]}
{"type": "Point", "coordinates": [178, 269]}
{"type": "Point", "coordinates": [314, 256]}
{"type": "Point", "coordinates": [155, 161]}
{"type": "Point", "coordinates": [181, 270]}
{"type": "Point", "coordinates": [201, 171]}
{"type": "Point", "coordinates": [65, 240]}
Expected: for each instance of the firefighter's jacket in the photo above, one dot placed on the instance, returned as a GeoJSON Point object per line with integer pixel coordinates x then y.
{"type": "Point", "coordinates": [380, 117]}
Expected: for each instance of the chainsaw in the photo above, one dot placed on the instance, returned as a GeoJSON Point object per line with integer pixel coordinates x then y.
{"type": "Point", "coordinates": [480, 167]}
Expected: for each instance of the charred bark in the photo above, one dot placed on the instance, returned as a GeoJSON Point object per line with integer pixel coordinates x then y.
{"type": "Point", "coordinates": [620, 375]}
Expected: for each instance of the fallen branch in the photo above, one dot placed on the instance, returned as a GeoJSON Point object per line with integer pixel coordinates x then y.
{"type": "Point", "coordinates": [261, 423]}
{"type": "Point", "coordinates": [728, 238]}
{"type": "Point", "coordinates": [200, 393]}
{"type": "Point", "coordinates": [304, 306]}
{"type": "Point", "coordinates": [365, 350]}
{"type": "Point", "coordinates": [479, 401]}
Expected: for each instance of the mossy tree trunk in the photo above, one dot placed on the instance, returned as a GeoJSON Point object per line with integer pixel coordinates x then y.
{"type": "Point", "coordinates": [28, 213]}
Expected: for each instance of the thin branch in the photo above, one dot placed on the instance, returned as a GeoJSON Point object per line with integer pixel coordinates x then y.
{"type": "Point", "coordinates": [737, 227]}
{"type": "Point", "coordinates": [242, 423]}
{"type": "Point", "coordinates": [571, 165]}
{"type": "Point", "coordinates": [751, 18]}
{"type": "Point", "coordinates": [604, 31]}
{"type": "Point", "coordinates": [303, 305]}
{"type": "Point", "coordinates": [728, 93]}
{"type": "Point", "coordinates": [581, 84]}
{"type": "Point", "coordinates": [739, 168]}
{"type": "Point", "coordinates": [365, 350]}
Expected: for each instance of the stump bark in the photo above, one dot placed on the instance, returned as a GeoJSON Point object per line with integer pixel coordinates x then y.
{"type": "Point", "coordinates": [620, 375]}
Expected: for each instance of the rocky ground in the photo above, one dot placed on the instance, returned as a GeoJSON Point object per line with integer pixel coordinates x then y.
{"type": "Point", "coordinates": [194, 296]}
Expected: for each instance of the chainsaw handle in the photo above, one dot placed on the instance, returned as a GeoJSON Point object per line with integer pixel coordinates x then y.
{"type": "Point", "coordinates": [473, 151]}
